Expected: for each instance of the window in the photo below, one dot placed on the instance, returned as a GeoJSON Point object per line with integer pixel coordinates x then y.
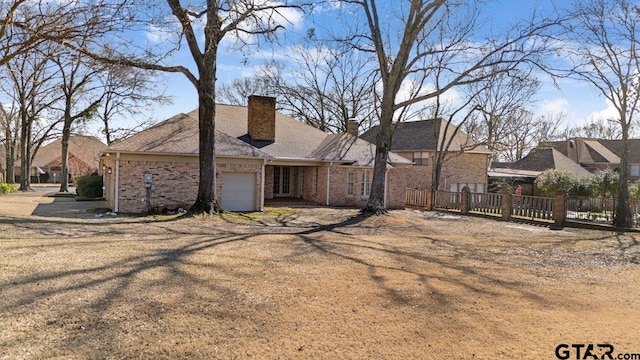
{"type": "Point", "coordinates": [350, 182]}
{"type": "Point", "coordinates": [421, 158]}
{"type": "Point", "coordinates": [480, 187]}
{"type": "Point", "coordinates": [635, 170]}
{"type": "Point", "coordinates": [365, 185]}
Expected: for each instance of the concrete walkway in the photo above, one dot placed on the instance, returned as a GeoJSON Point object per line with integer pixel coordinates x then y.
{"type": "Point", "coordinates": [42, 202]}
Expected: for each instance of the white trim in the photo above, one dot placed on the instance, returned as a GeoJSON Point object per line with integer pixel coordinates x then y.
{"type": "Point", "coordinates": [264, 163]}
{"type": "Point", "coordinates": [328, 180]}
{"type": "Point", "coordinates": [116, 203]}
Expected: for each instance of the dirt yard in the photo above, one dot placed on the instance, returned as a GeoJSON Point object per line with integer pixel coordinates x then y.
{"type": "Point", "coordinates": [312, 283]}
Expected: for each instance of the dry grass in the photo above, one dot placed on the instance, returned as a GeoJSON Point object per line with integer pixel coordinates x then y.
{"type": "Point", "coordinates": [311, 283]}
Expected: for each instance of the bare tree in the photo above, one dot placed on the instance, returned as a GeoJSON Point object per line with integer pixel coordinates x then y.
{"type": "Point", "coordinates": [423, 36]}
{"type": "Point", "coordinates": [502, 99]}
{"type": "Point", "coordinates": [27, 24]}
{"type": "Point", "coordinates": [31, 93]}
{"type": "Point", "coordinates": [603, 50]}
{"type": "Point", "coordinates": [597, 128]}
{"type": "Point", "coordinates": [200, 26]}
{"type": "Point", "coordinates": [529, 130]}
{"type": "Point", "coordinates": [78, 75]}
{"type": "Point", "coordinates": [126, 92]}
{"type": "Point", "coordinates": [238, 91]}
{"type": "Point", "coordinates": [327, 85]}
{"type": "Point", "coordinates": [9, 122]}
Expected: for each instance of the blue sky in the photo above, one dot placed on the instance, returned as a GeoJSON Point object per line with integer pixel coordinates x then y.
{"type": "Point", "coordinates": [576, 99]}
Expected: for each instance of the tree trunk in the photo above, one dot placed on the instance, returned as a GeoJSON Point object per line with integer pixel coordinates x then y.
{"type": "Point", "coordinates": [206, 202]}
{"type": "Point", "coordinates": [10, 159]}
{"type": "Point", "coordinates": [64, 172]}
{"type": "Point", "coordinates": [622, 218]}
{"type": "Point", "coordinates": [375, 204]}
{"type": "Point", "coordinates": [25, 153]}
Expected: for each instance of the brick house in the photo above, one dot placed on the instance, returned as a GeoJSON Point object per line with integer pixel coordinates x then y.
{"type": "Point", "coordinates": [83, 159]}
{"type": "Point", "coordinates": [261, 154]}
{"type": "Point", "coordinates": [579, 156]}
{"type": "Point", "coordinates": [599, 154]}
{"type": "Point", "coordinates": [523, 172]}
{"type": "Point", "coordinates": [466, 162]}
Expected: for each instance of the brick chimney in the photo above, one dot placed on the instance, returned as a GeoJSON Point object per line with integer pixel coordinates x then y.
{"type": "Point", "coordinates": [262, 118]}
{"type": "Point", "coordinates": [352, 127]}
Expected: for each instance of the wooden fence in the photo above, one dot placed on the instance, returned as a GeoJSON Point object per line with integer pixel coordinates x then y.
{"type": "Point", "coordinates": [558, 209]}
{"type": "Point", "coordinates": [486, 203]}
{"type": "Point", "coordinates": [447, 200]}
{"type": "Point", "coordinates": [417, 198]}
{"type": "Point", "coordinates": [532, 207]}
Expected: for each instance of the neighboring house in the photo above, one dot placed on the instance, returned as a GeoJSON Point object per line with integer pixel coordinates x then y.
{"type": "Point", "coordinates": [83, 158]}
{"type": "Point", "coordinates": [600, 154]}
{"type": "Point", "coordinates": [466, 162]}
{"type": "Point", "coordinates": [524, 171]}
{"type": "Point", "coordinates": [260, 154]}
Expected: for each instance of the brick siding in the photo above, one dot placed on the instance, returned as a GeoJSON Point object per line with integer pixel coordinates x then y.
{"type": "Point", "coordinates": [175, 182]}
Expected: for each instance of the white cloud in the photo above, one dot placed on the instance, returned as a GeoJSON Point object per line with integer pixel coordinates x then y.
{"type": "Point", "coordinates": [554, 106]}
{"type": "Point", "coordinates": [327, 6]}
{"type": "Point", "coordinates": [159, 35]}
{"type": "Point", "coordinates": [609, 112]}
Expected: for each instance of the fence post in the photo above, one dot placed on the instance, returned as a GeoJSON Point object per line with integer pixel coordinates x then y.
{"type": "Point", "coordinates": [465, 200]}
{"type": "Point", "coordinates": [559, 210]}
{"type": "Point", "coordinates": [507, 203]}
{"type": "Point", "coordinates": [429, 204]}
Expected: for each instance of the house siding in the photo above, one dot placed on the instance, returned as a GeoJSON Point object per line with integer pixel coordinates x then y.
{"type": "Point", "coordinates": [465, 168]}
{"type": "Point", "coordinates": [174, 182]}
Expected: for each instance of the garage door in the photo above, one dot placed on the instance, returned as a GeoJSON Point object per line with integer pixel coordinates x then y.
{"type": "Point", "coordinates": [238, 191]}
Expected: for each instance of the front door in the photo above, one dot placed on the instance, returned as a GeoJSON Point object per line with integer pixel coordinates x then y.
{"type": "Point", "coordinates": [282, 181]}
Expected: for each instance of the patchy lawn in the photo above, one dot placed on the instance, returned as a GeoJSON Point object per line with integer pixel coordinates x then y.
{"type": "Point", "coordinates": [312, 283]}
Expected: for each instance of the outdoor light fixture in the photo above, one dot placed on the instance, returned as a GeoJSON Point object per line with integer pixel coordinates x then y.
{"type": "Point", "coordinates": [109, 170]}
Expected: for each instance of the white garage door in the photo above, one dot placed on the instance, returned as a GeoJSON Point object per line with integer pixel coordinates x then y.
{"type": "Point", "coordinates": [238, 191]}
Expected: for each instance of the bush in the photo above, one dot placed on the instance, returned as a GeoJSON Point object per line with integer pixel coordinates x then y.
{"type": "Point", "coordinates": [605, 184]}
{"type": "Point", "coordinates": [634, 190]}
{"type": "Point", "coordinates": [552, 181]}
{"type": "Point", "coordinates": [7, 188]}
{"type": "Point", "coordinates": [89, 186]}
{"type": "Point", "coordinates": [582, 187]}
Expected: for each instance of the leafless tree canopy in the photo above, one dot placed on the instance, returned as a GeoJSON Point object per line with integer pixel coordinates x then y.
{"type": "Point", "coordinates": [428, 48]}
{"type": "Point", "coordinates": [603, 52]}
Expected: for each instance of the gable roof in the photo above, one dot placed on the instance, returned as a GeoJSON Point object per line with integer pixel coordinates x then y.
{"type": "Point", "coordinates": [616, 147]}
{"type": "Point", "coordinates": [179, 135]}
{"type": "Point", "coordinates": [598, 150]}
{"type": "Point", "coordinates": [541, 159]}
{"type": "Point", "coordinates": [294, 140]}
{"type": "Point", "coordinates": [337, 147]}
{"type": "Point", "coordinates": [84, 148]}
{"type": "Point", "coordinates": [420, 136]}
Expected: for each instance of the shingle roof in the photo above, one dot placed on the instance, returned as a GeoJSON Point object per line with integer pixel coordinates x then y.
{"type": "Point", "coordinates": [294, 140]}
{"type": "Point", "coordinates": [616, 147]}
{"type": "Point", "coordinates": [179, 135]}
{"type": "Point", "coordinates": [541, 159]}
{"type": "Point", "coordinates": [338, 147]}
{"type": "Point", "coordinates": [84, 148]}
{"type": "Point", "coordinates": [420, 136]}
{"type": "Point", "coordinates": [602, 150]}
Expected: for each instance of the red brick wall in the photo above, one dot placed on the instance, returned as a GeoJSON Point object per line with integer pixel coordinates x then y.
{"type": "Point", "coordinates": [175, 182]}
